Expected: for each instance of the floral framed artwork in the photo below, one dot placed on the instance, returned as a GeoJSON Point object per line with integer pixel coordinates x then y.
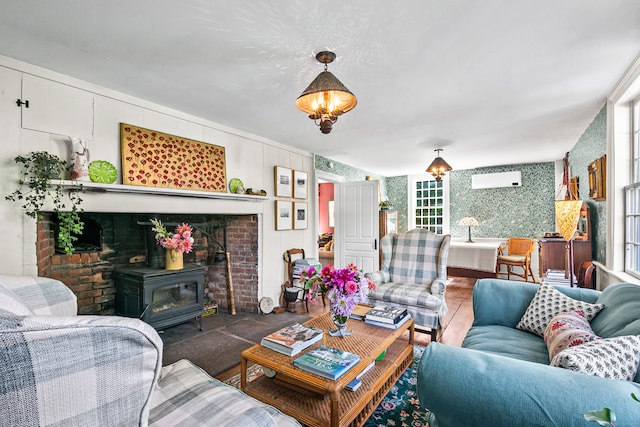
{"type": "Point", "coordinates": [282, 184]}
{"type": "Point", "coordinates": [284, 215]}
{"type": "Point", "coordinates": [299, 184]}
{"type": "Point", "coordinates": [300, 216]}
{"type": "Point", "coordinates": [161, 160]}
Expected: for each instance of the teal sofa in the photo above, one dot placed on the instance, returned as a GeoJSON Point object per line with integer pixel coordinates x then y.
{"type": "Point", "coordinates": [501, 375]}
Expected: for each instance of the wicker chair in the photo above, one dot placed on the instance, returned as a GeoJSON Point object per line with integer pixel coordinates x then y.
{"type": "Point", "coordinates": [518, 255]}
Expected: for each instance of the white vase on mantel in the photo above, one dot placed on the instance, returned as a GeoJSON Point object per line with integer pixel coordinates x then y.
{"type": "Point", "coordinates": [79, 160]}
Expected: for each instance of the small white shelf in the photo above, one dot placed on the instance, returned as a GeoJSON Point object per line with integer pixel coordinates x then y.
{"type": "Point", "coordinates": [153, 191]}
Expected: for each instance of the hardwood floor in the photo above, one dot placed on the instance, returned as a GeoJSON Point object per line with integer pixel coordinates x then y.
{"type": "Point", "coordinates": [459, 316]}
{"type": "Point", "coordinates": [216, 348]}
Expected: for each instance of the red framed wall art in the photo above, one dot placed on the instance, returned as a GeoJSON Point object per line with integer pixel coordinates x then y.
{"type": "Point", "coordinates": [161, 160]}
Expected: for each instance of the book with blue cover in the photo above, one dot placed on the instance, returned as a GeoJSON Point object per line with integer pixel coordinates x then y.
{"type": "Point", "coordinates": [327, 362]}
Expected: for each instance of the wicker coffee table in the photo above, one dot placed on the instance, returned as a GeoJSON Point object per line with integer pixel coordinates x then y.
{"type": "Point", "coordinates": [316, 401]}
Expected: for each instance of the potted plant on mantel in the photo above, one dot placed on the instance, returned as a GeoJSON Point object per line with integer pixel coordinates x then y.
{"type": "Point", "coordinates": [37, 170]}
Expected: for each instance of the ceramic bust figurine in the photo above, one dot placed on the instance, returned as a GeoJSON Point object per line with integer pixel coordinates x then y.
{"type": "Point", "coordinates": [79, 159]}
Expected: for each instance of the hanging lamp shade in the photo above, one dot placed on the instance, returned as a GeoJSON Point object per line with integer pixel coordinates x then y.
{"type": "Point", "coordinates": [326, 97]}
{"type": "Point", "coordinates": [438, 166]}
{"type": "Point", "coordinates": [326, 90]}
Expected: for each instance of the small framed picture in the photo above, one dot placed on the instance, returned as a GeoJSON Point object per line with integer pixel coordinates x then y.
{"type": "Point", "coordinates": [284, 215]}
{"type": "Point", "coordinates": [282, 185]}
{"type": "Point", "coordinates": [299, 184]}
{"type": "Point", "coordinates": [300, 216]}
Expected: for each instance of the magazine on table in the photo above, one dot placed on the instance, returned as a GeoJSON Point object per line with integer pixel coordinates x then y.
{"type": "Point", "coordinates": [327, 362]}
{"type": "Point", "coordinates": [292, 339]}
{"type": "Point", "coordinates": [386, 314]}
{"type": "Point", "coordinates": [401, 322]}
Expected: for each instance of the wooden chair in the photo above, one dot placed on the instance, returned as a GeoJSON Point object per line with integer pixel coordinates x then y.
{"type": "Point", "coordinates": [290, 258]}
{"type": "Point", "coordinates": [518, 255]}
{"type": "Point", "coordinates": [587, 275]}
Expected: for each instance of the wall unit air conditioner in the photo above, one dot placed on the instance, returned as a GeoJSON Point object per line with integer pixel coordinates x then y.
{"type": "Point", "coordinates": [496, 180]}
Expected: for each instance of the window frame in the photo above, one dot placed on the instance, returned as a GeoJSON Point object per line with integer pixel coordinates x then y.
{"type": "Point", "coordinates": [632, 197]}
{"type": "Point", "coordinates": [412, 202]}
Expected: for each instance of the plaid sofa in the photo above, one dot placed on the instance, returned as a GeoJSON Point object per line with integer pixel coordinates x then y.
{"type": "Point", "coordinates": [57, 368]}
{"type": "Point", "coordinates": [414, 275]}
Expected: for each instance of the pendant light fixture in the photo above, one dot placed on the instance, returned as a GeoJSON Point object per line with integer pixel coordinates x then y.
{"type": "Point", "coordinates": [326, 97]}
{"type": "Point", "coordinates": [438, 167]}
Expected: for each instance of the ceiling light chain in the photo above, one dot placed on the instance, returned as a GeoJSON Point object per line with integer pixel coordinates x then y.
{"type": "Point", "coordinates": [326, 97]}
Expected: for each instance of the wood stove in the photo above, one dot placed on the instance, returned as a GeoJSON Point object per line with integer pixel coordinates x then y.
{"type": "Point", "coordinates": [160, 297]}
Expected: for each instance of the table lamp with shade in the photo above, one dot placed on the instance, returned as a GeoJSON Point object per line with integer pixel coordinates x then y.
{"type": "Point", "coordinates": [469, 221]}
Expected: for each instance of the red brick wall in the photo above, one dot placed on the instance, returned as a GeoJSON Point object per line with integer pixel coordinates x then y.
{"type": "Point", "coordinates": [90, 274]}
{"type": "Point", "coordinates": [242, 245]}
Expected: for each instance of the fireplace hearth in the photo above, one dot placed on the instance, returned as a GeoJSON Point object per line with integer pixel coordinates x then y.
{"type": "Point", "coordinates": [160, 297]}
{"type": "Point", "coordinates": [125, 243]}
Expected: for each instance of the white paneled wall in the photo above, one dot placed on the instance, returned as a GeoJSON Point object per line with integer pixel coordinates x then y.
{"type": "Point", "coordinates": [249, 157]}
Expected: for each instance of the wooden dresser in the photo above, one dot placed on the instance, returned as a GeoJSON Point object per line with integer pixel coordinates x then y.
{"type": "Point", "coordinates": [552, 250]}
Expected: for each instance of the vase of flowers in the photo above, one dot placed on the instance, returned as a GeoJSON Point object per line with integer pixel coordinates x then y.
{"type": "Point", "coordinates": [345, 288]}
{"type": "Point", "coordinates": [175, 244]}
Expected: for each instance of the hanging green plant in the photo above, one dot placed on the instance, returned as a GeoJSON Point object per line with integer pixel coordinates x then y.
{"type": "Point", "coordinates": [37, 170]}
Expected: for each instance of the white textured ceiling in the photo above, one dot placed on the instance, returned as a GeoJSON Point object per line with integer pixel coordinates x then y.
{"type": "Point", "coordinates": [492, 82]}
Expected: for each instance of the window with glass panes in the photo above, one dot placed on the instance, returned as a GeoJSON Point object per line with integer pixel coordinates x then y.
{"type": "Point", "coordinates": [429, 205]}
{"type": "Point", "coordinates": [632, 202]}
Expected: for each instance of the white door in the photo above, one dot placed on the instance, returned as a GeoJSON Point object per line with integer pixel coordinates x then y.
{"type": "Point", "coordinates": [356, 229]}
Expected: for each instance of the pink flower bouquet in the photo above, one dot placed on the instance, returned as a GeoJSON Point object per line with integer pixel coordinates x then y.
{"type": "Point", "coordinates": [345, 288]}
{"type": "Point", "coordinates": [180, 240]}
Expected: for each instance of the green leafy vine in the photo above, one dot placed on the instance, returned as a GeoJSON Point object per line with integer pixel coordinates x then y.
{"type": "Point", "coordinates": [37, 170]}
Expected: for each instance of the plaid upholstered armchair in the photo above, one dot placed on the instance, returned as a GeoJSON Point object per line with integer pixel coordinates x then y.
{"type": "Point", "coordinates": [414, 275]}
{"type": "Point", "coordinates": [58, 368]}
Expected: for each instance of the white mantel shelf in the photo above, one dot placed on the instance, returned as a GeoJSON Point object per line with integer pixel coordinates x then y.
{"type": "Point", "coordinates": [152, 191]}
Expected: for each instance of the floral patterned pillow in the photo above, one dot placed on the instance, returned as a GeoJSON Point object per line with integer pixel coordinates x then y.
{"type": "Point", "coordinates": [615, 358]}
{"type": "Point", "coordinates": [547, 303]}
{"type": "Point", "coordinates": [566, 330]}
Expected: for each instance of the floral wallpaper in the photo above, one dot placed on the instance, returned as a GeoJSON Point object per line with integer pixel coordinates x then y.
{"type": "Point", "coordinates": [526, 211]}
{"type": "Point", "coordinates": [591, 146]}
{"type": "Point", "coordinates": [397, 189]}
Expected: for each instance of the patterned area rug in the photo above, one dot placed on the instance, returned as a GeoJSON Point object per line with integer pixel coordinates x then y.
{"type": "Point", "coordinates": [399, 408]}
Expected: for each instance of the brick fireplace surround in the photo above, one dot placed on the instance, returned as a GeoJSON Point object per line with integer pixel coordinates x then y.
{"type": "Point", "coordinates": [123, 243]}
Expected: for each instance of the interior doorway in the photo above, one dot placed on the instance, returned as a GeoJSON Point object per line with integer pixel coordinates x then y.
{"type": "Point", "coordinates": [326, 218]}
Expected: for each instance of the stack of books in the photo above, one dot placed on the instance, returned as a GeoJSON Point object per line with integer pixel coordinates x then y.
{"type": "Point", "coordinates": [327, 362]}
{"type": "Point", "coordinates": [303, 264]}
{"type": "Point", "coordinates": [292, 339]}
{"type": "Point", "coordinates": [387, 316]}
{"type": "Point", "coordinates": [557, 278]}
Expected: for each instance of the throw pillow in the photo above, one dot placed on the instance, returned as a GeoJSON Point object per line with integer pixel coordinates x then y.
{"type": "Point", "coordinates": [546, 304]}
{"type": "Point", "coordinates": [566, 330]}
{"type": "Point", "coordinates": [615, 358]}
